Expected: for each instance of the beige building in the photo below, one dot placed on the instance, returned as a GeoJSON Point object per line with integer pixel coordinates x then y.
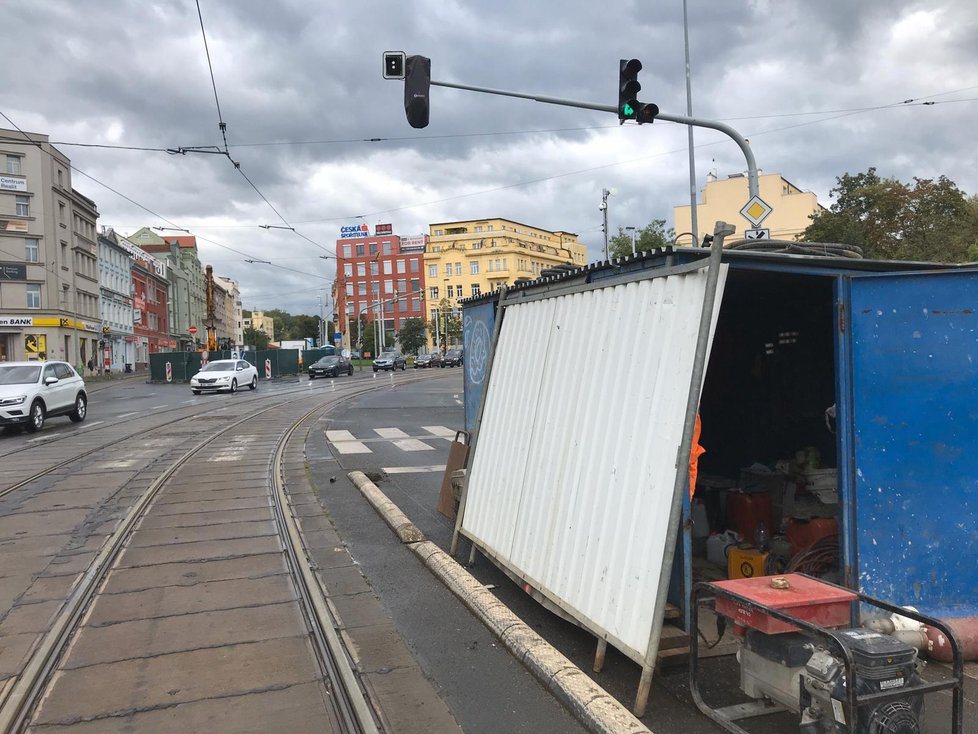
{"type": "Point", "coordinates": [465, 259]}
{"type": "Point", "coordinates": [791, 207]}
{"type": "Point", "coordinates": [260, 322]}
{"type": "Point", "coordinates": [231, 324]}
{"type": "Point", "coordinates": [49, 278]}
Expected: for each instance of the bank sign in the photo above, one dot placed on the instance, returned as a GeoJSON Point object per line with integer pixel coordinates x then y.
{"type": "Point", "coordinates": [16, 321]}
{"type": "Point", "coordinates": [356, 230]}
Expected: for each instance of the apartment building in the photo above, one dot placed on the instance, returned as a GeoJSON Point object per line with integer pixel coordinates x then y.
{"type": "Point", "coordinates": [379, 277]}
{"type": "Point", "coordinates": [723, 199]}
{"type": "Point", "coordinates": [49, 288]}
{"type": "Point", "coordinates": [231, 318]}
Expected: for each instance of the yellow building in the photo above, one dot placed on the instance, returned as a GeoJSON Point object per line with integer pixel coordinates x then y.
{"type": "Point", "coordinates": [723, 200]}
{"type": "Point", "coordinates": [260, 322]}
{"type": "Point", "coordinates": [465, 259]}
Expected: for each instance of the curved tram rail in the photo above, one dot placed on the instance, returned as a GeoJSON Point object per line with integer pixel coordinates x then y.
{"type": "Point", "coordinates": [52, 680]}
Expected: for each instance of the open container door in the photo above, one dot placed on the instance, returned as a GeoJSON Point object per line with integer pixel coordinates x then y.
{"type": "Point", "coordinates": [573, 473]}
{"type": "Point", "coordinates": [910, 437]}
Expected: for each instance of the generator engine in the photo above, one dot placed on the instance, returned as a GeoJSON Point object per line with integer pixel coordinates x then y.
{"type": "Point", "coordinates": [793, 671]}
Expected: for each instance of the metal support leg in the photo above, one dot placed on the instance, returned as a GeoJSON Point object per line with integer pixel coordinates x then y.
{"type": "Point", "coordinates": [599, 655]}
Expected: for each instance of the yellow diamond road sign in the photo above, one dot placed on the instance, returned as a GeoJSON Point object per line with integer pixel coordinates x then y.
{"type": "Point", "coordinates": [755, 210]}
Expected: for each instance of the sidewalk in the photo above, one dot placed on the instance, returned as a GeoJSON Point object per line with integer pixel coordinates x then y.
{"type": "Point", "coordinates": [94, 383]}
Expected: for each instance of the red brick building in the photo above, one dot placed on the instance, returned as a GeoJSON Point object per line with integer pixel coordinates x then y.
{"type": "Point", "coordinates": [151, 328]}
{"type": "Point", "coordinates": [383, 272]}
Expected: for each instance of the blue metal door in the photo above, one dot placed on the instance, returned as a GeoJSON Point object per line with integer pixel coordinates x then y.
{"type": "Point", "coordinates": [912, 499]}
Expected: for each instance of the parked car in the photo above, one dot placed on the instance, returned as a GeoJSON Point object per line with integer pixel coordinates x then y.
{"type": "Point", "coordinates": [433, 359]}
{"type": "Point", "coordinates": [224, 374]}
{"type": "Point", "coordinates": [453, 358]}
{"type": "Point", "coordinates": [330, 366]}
{"type": "Point", "coordinates": [390, 361]}
{"type": "Point", "coordinates": [30, 392]}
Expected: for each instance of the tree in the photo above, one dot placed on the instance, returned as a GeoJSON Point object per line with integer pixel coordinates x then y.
{"type": "Point", "coordinates": [926, 220]}
{"type": "Point", "coordinates": [650, 237]}
{"type": "Point", "coordinates": [256, 338]}
{"type": "Point", "coordinates": [448, 325]}
{"type": "Point", "coordinates": [412, 336]}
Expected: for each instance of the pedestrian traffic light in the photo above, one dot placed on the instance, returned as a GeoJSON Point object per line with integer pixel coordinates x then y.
{"type": "Point", "coordinates": [393, 65]}
{"type": "Point", "coordinates": [646, 113]}
{"type": "Point", "coordinates": [628, 88]}
{"type": "Point", "coordinates": [417, 82]}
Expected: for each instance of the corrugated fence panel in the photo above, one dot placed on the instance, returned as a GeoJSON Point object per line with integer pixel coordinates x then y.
{"type": "Point", "coordinates": [573, 474]}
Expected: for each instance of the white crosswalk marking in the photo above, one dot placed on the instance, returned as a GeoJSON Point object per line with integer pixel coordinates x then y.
{"type": "Point", "coordinates": [346, 443]}
{"type": "Point", "coordinates": [400, 439]}
{"type": "Point", "coordinates": [414, 469]}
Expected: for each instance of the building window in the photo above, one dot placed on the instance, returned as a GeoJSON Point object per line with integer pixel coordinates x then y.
{"type": "Point", "coordinates": [373, 249]}
{"type": "Point", "coordinates": [388, 286]}
{"type": "Point", "coordinates": [362, 270]}
{"type": "Point", "coordinates": [489, 228]}
{"type": "Point", "coordinates": [478, 228]}
{"type": "Point", "coordinates": [402, 286]}
{"type": "Point", "coordinates": [24, 207]}
{"type": "Point", "coordinates": [474, 267]}
{"type": "Point", "coordinates": [458, 268]}
{"type": "Point", "coordinates": [476, 290]}
{"type": "Point", "coordinates": [33, 295]}
{"type": "Point", "coordinates": [375, 268]}
{"type": "Point", "coordinates": [349, 289]}
{"type": "Point", "coordinates": [388, 267]}
{"type": "Point", "coordinates": [433, 293]}
{"type": "Point", "coordinates": [61, 182]}
{"type": "Point", "coordinates": [415, 285]}
{"type": "Point", "coordinates": [13, 164]}
{"type": "Point", "coordinates": [30, 249]}
{"type": "Point", "coordinates": [401, 305]}
{"type": "Point", "coordinates": [359, 250]}
{"type": "Point", "coordinates": [415, 304]}
{"type": "Point", "coordinates": [432, 271]}
{"type": "Point", "coordinates": [375, 288]}
{"type": "Point", "coordinates": [438, 233]}
{"type": "Point", "coordinates": [448, 268]}
{"type": "Point", "coordinates": [414, 265]}
{"type": "Point", "coordinates": [477, 245]}
{"type": "Point", "coordinates": [451, 291]}
{"type": "Point", "coordinates": [400, 266]}
{"type": "Point", "coordinates": [349, 309]}
{"type": "Point", "coordinates": [387, 247]}
{"type": "Point", "coordinates": [348, 270]}
{"type": "Point", "coordinates": [347, 251]}
{"type": "Point", "coordinates": [362, 289]}
{"type": "Point", "coordinates": [436, 248]}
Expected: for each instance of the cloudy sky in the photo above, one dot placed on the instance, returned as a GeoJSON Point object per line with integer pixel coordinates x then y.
{"type": "Point", "coordinates": [819, 89]}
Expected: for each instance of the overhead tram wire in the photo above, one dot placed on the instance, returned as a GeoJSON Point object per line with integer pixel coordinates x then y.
{"type": "Point", "coordinates": [174, 225]}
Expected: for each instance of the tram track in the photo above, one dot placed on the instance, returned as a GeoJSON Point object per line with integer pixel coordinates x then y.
{"type": "Point", "coordinates": [20, 699]}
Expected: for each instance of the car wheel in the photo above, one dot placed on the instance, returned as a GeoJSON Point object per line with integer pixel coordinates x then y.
{"type": "Point", "coordinates": [254, 383]}
{"type": "Point", "coordinates": [195, 392]}
{"type": "Point", "coordinates": [403, 366]}
{"type": "Point", "coordinates": [81, 409]}
{"type": "Point", "coordinates": [375, 369]}
{"type": "Point", "coordinates": [349, 371]}
{"type": "Point", "coordinates": [35, 420]}
{"type": "Point", "coordinates": [234, 385]}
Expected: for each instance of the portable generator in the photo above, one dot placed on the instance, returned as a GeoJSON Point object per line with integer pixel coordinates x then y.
{"type": "Point", "coordinates": [802, 650]}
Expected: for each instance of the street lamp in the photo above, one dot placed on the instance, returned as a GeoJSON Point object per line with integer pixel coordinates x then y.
{"type": "Point", "coordinates": [632, 230]}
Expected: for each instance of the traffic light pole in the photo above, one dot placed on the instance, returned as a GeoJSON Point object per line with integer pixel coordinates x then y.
{"type": "Point", "coordinates": [679, 119]}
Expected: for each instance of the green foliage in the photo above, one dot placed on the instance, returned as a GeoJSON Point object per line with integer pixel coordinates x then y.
{"type": "Point", "coordinates": [928, 220]}
{"type": "Point", "coordinates": [650, 237]}
{"type": "Point", "coordinates": [256, 338]}
{"type": "Point", "coordinates": [412, 336]}
{"type": "Point", "coordinates": [448, 326]}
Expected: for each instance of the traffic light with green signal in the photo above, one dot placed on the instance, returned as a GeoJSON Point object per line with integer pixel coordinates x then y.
{"type": "Point", "coordinates": [628, 88]}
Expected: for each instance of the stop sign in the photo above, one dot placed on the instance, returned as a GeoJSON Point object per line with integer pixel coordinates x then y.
{"type": "Point", "coordinates": [192, 330]}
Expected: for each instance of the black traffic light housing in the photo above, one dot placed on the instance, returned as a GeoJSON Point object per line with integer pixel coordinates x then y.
{"type": "Point", "coordinates": [646, 113]}
{"type": "Point", "coordinates": [417, 83]}
{"type": "Point", "coordinates": [394, 64]}
{"type": "Point", "coordinates": [628, 88]}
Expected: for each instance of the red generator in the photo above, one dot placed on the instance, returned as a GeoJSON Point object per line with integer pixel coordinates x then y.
{"type": "Point", "coordinates": [804, 649]}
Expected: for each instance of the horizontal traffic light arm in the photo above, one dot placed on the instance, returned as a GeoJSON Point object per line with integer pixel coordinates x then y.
{"type": "Point", "coordinates": [679, 119]}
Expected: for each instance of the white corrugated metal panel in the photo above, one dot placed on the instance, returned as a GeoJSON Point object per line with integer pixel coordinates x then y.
{"type": "Point", "coordinates": [572, 477]}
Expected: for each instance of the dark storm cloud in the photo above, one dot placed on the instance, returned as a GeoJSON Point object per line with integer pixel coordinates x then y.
{"type": "Point", "coordinates": [296, 70]}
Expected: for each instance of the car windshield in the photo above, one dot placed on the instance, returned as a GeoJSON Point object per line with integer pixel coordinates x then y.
{"type": "Point", "coordinates": [20, 374]}
{"type": "Point", "coordinates": [454, 352]}
{"type": "Point", "coordinates": [388, 355]}
{"type": "Point", "coordinates": [218, 367]}
{"type": "Point", "coordinates": [328, 360]}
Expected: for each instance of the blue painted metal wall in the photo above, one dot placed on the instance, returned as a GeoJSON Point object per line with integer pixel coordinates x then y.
{"type": "Point", "coordinates": [478, 322]}
{"type": "Point", "coordinates": [913, 347]}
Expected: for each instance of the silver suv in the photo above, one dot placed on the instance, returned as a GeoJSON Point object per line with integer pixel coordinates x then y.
{"type": "Point", "coordinates": [32, 391]}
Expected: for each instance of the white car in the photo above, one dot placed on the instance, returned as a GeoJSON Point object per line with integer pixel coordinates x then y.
{"type": "Point", "coordinates": [32, 391]}
{"type": "Point", "coordinates": [224, 374]}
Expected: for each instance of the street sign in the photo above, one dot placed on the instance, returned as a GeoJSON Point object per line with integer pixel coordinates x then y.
{"type": "Point", "coordinates": [337, 337]}
{"type": "Point", "coordinates": [192, 330]}
{"type": "Point", "coordinates": [756, 210]}
{"type": "Point", "coordinates": [757, 234]}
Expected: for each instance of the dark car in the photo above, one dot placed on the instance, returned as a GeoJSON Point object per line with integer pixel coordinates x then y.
{"type": "Point", "coordinates": [434, 359]}
{"type": "Point", "coordinates": [390, 361]}
{"type": "Point", "coordinates": [331, 366]}
{"type": "Point", "coordinates": [453, 358]}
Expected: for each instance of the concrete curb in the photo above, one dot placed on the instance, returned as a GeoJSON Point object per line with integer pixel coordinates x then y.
{"type": "Point", "coordinates": [589, 702]}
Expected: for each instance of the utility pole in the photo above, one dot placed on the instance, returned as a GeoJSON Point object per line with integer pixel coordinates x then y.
{"type": "Point", "coordinates": [604, 210]}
